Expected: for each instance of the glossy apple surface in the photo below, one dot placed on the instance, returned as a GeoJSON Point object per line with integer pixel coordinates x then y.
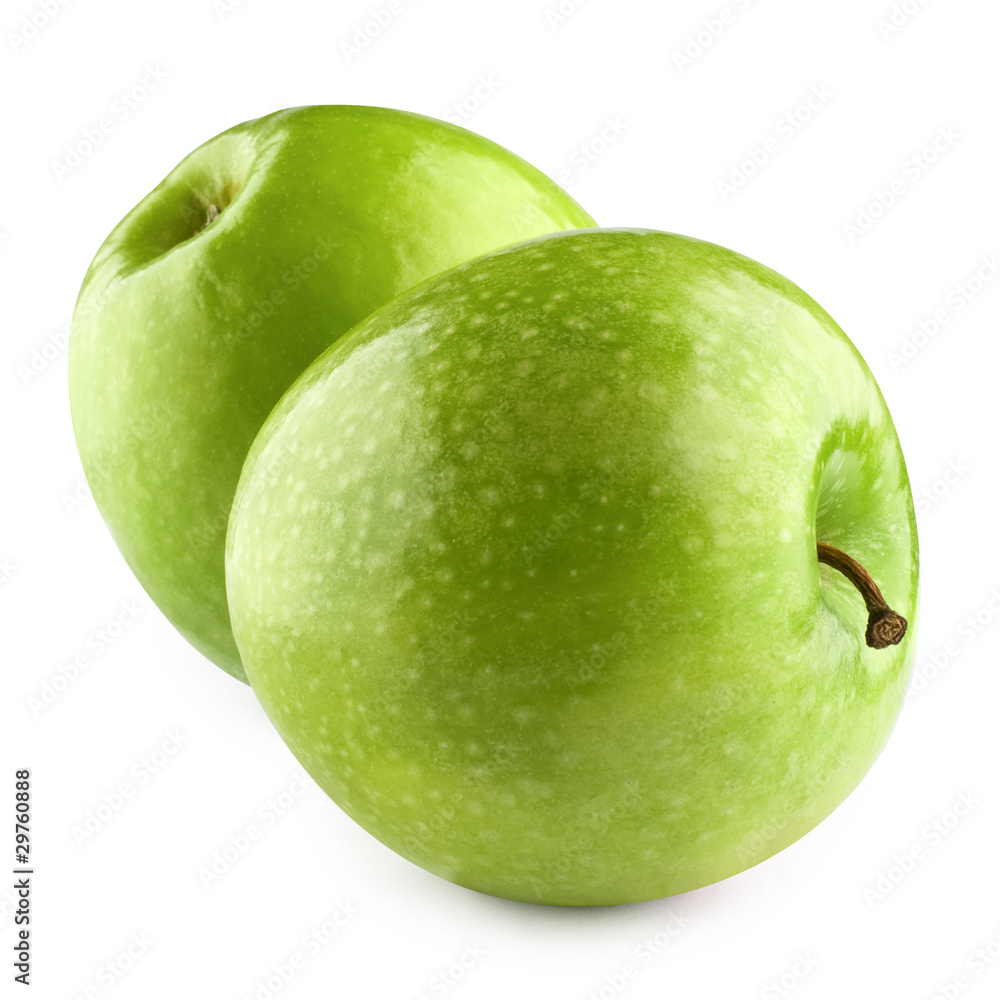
{"type": "Point", "coordinates": [525, 570]}
{"type": "Point", "coordinates": [257, 252]}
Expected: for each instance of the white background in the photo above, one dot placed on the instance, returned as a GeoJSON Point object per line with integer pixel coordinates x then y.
{"type": "Point", "coordinates": [875, 902]}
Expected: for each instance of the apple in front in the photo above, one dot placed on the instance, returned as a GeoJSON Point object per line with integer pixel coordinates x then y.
{"type": "Point", "coordinates": [568, 573]}
{"type": "Point", "coordinates": [211, 297]}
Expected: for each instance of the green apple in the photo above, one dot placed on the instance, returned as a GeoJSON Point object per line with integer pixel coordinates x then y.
{"type": "Point", "coordinates": [556, 572]}
{"type": "Point", "coordinates": [258, 251]}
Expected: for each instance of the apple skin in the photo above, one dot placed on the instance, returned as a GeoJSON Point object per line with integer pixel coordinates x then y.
{"type": "Point", "coordinates": [524, 570]}
{"type": "Point", "coordinates": [185, 334]}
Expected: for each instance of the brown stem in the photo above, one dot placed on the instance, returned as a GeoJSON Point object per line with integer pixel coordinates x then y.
{"type": "Point", "coordinates": [885, 626]}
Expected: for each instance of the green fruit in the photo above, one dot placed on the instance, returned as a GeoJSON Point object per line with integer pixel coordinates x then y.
{"type": "Point", "coordinates": [527, 570]}
{"type": "Point", "coordinates": [205, 303]}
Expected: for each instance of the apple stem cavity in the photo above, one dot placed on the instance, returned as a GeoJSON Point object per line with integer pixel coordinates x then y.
{"type": "Point", "coordinates": [885, 626]}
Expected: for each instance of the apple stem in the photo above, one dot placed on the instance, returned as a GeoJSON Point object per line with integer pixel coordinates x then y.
{"type": "Point", "coordinates": [212, 214]}
{"type": "Point", "coordinates": [885, 626]}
